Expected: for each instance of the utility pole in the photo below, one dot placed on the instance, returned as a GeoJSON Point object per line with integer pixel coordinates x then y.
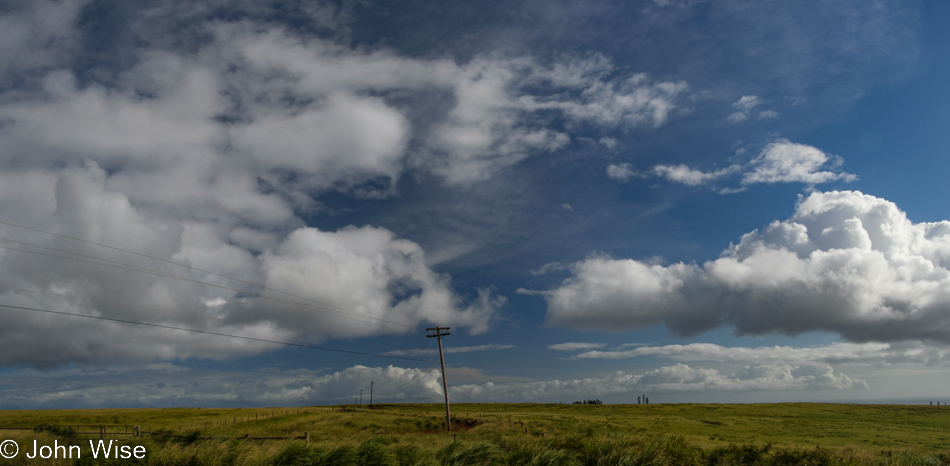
{"type": "Point", "coordinates": [371, 394]}
{"type": "Point", "coordinates": [439, 332]}
{"type": "Point", "coordinates": [361, 397]}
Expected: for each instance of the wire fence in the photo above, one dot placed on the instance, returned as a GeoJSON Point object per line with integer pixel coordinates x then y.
{"type": "Point", "coordinates": [103, 431]}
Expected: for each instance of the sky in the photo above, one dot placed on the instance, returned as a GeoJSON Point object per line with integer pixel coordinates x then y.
{"type": "Point", "coordinates": [266, 203]}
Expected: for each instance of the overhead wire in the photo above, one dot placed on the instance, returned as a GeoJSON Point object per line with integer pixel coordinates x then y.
{"type": "Point", "coordinates": [119, 265]}
{"type": "Point", "coordinates": [338, 309]}
{"type": "Point", "coordinates": [179, 264]}
{"type": "Point", "coordinates": [207, 332]}
{"type": "Point", "coordinates": [169, 311]}
{"type": "Point", "coordinates": [318, 306]}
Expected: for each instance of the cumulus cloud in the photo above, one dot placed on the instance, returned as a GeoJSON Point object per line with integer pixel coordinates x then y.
{"type": "Point", "coordinates": [786, 162]}
{"type": "Point", "coordinates": [36, 36]}
{"type": "Point", "coordinates": [781, 161]}
{"type": "Point", "coordinates": [350, 282]}
{"type": "Point", "coordinates": [211, 151]}
{"type": "Point", "coordinates": [845, 262]}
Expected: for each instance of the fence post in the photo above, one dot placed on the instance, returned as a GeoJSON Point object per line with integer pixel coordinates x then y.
{"type": "Point", "coordinates": [138, 431]}
{"type": "Point", "coordinates": [306, 437]}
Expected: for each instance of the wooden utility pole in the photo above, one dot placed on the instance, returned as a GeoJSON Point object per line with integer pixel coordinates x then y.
{"type": "Point", "coordinates": [371, 394]}
{"type": "Point", "coordinates": [440, 332]}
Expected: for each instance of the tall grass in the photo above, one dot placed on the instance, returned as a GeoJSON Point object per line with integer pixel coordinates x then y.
{"type": "Point", "coordinates": [522, 435]}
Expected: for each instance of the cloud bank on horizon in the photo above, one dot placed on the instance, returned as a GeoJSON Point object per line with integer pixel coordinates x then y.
{"type": "Point", "coordinates": [170, 385]}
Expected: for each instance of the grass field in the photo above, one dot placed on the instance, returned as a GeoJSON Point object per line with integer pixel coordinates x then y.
{"type": "Point", "coordinates": [511, 434]}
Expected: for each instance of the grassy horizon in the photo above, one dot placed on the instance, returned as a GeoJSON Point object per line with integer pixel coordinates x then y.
{"type": "Point", "coordinates": [867, 434]}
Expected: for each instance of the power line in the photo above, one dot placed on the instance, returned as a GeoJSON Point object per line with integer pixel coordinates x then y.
{"type": "Point", "coordinates": [119, 265]}
{"type": "Point", "coordinates": [318, 306]}
{"type": "Point", "coordinates": [185, 313]}
{"type": "Point", "coordinates": [206, 332]}
{"type": "Point", "coordinates": [166, 261]}
{"type": "Point", "coordinates": [341, 309]}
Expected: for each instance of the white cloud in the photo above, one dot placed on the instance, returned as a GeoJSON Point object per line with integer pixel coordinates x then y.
{"type": "Point", "coordinates": [747, 102]}
{"type": "Point", "coordinates": [677, 3]}
{"type": "Point", "coordinates": [575, 346]}
{"type": "Point", "coordinates": [168, 385]}
{"type": "Point", "coordinates": [781, 161]}
{"type": "Point", "coordinates": [678, 378]}
{"type": "Point", "coordinates": [546, 268]}
{"type": "Point", "coordinates": [836, 353]}
{"type": "Point", "coordinates": [371, 281]}
{"type": "Point", "coordinates": [845, 262]}
{"type": "Point", "coordinates": [37, 35]}
{"type": "Point", "coordinates": [609, 143]}
{"type": "Point", "coordinates": [787, 162]}
{"type": "Point", "coordinates": [450, 350]}
{"type": "Point", "coordinates": [745, 106]}
{"type": "Point", "coordinates": [738, 117]}
{"type": "Point", "coordinates": [622, 172]}
{"type": "Point", "coordinates": [685, 175]}
{"type": "Point", "coordinates": [214, 155]}
{"type": "Point", "coordinates": [494, 125]}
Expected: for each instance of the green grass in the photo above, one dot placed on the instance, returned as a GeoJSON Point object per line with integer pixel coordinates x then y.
{"type": "Point", "coordinates": [522, 434]}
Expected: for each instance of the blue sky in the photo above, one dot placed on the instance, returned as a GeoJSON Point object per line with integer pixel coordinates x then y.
{"type": "Point", "coordinates": [699, 200]}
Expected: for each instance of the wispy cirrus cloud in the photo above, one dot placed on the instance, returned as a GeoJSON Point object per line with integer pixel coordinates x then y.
{"type": "Point", "coordinates": [575, 346]}
{"type": "Point", "coordinates": [836, 353]}
{"type": "Point", "coordinates": [746, 107]}
{"type": "Point", "coordinates": [684, 175]}
{"type": "Point", "coordinates": [678, 378]}
{"type": "Point", "coordinates": [450, 350]}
